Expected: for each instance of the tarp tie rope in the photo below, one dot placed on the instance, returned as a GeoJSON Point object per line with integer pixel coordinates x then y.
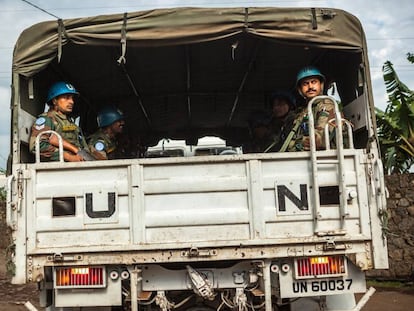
{"type": "Point", "coordinates": [314, 21]}
{"type": "Point", "coordinates": [122, 59]}
{"type": "Point", "coordinates": [61, 33]}
{"type": "Point", "coordinates": [246, 18]}
{"type": "Point", "coordinates": [243, 82]}
{"type": "Point", "coordinates": [361, 76]}
{"type": "Point", "coordinates": [233, 49]}
{"type": "Point", "coordinates": [30, 88]}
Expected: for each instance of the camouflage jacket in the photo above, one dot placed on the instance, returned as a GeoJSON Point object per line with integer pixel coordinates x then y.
{"type": "Point", "coordinates": [323, 111]}
{"type": "Point", "coordinates": [281, 128]}
{"type": "Point", "coordinates": [59, 123]}
{"type": "Point", "coordinates": [102, 146]}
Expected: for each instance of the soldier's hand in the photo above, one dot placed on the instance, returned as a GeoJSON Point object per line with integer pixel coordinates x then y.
{"type": "Point", "coordinates": [85, 155]}
{"type": "Point", "coordinates": [70, 157]}
{"type": "Point", "coordinates": [306, 143]}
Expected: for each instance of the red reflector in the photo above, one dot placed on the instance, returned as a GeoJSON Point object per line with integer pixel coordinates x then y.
{"type": "Point", "coordinates": [79, 277]}
{"type": "Point", "coordinates": [322, 266]}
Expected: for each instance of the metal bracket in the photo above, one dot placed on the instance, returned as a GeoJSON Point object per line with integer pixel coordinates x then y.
{"type": "Point", "coordinates": [327, 14]}
{"type": "Point", "coordinates": [339, 232]}
{"type": "Point", "coordinates": [331, 245]}
{"type": "Point", "coordinates": [195, 252]}
{"type": "Point", "coordinates": [57, 257]}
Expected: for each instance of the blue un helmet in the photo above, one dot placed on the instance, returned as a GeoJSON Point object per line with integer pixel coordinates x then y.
{"type": "Point", "coordinates": [109, 115]}
{"type": "Point", "coordinates": [60, 88]}
{"type": "Point", "coordinates": [309, 71]}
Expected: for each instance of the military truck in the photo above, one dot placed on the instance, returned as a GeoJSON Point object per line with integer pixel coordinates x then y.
{"type": "Point", "coordinates": [217, 231]}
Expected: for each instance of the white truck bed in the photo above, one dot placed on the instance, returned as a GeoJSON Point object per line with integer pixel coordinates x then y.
{"type": "Point", "coordinates": [180, 203]}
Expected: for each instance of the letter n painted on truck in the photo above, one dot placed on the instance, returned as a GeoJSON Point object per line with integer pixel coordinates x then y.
{"type": "Point", "coordinates": [292, 198]}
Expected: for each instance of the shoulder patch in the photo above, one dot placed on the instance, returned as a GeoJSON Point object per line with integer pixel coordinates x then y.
{"type": "Point", "coordinates": [99, 146]}
{"type": "Point", "coordinates": [40, 121]}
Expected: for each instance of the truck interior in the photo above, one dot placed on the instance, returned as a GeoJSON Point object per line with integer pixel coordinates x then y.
{"type": "Point", "coordinates": [187, 80]}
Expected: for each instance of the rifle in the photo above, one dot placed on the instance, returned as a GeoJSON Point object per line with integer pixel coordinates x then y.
{"type": "Point", "coordinates": [292, 133]}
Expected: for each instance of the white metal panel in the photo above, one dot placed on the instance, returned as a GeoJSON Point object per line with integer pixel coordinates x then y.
{"type": "Point", "coordinates": [211, 169]}
{"type": "Point", "coordinates": [210, 233]}
{"type": "Point", "coordinates": [44, 221]}
{"type": "Point", "coordinates": [74, 182]}
{"type": "Point", "coordinates": [26, 121]}
{"type": "Point", "coordinates": [86, 238]}
{"type": "Point", "coordinates": [196, 209]}
{"type": "Point", "coordinates": [356, 112]}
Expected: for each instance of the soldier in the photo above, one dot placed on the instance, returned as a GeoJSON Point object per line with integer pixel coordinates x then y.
{"type": "Point", "coordinates": [283, 106]}
{"type": "Point", "coordinates": [103, 143]}
{"type": "Point", "coordinates": [60, 100]}
{"type": "Point", "coordinates": [261, 138]}
{"type": "Point", "coordinates": [310, 83]}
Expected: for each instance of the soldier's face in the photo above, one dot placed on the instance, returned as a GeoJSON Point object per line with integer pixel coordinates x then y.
{"type": "Point", "coordinates": [280, 108]}
{"type": "Point", "coordinates": [64, 103]}
{"type": "Point", "coordinates": [117, 126]}
{"type": "Point", "coordinates": [310, 87]}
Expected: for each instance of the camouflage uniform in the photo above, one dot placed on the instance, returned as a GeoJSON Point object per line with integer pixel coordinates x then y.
{"type": "Point", "coordinates": [323, 111]}
{"type": "Point", "coordinates": [102, 146]}
{"type": "Point", "coordinates": [68, 130]}
{"type": "Point", "coordinates": [257, 145]}
{"type": "Point", "coordinates": [281, 128]}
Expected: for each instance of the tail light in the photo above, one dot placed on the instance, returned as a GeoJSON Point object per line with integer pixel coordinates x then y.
{"type": "Point", "coordinates": [322, 266]}
{"type": "Point", "coordinates": [79, 277]}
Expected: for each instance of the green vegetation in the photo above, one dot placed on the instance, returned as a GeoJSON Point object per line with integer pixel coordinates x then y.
{"type": "Point", "coordinates": [2, 195]}
{"type": "Point", "coordinates": [2, 190]}
{"type": "Point", "coordinates": [397, 285]}
{"type": "Point", "coordinates": [396, 123]}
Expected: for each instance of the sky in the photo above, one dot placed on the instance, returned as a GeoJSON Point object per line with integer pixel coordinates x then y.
{"type": "Point", "coordinates": [388, 27]}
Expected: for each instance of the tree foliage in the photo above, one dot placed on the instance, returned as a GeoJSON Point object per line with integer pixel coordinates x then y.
{"type": "Point", "coordinates": [410, 57]}
{"type": "Point", "coordinates": [396, 123]}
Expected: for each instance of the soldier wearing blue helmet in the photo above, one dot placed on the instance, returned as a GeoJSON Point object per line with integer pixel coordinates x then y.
{"type": "Point", "coordinates": [283, 106]}
{"type": "Point", "coordinates": [103, 143]}
{"type": "Point", "coordinates": [60, 99]}
{"type": "Point", "coordinates": [309, 84]}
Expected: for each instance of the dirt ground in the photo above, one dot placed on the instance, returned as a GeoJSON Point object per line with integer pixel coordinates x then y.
{"type": "Point", "coordinates": [13, 297]}
{"type": "Point", "coordinates": [390, 300]}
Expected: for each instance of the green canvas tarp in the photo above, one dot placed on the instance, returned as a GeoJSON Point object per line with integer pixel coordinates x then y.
{"type": "Point", "coordinates": [189, 72]}
{"type": "Point", "coordinates": [330, 28]}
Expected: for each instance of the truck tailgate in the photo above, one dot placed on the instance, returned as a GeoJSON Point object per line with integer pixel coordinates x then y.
{"type": "Point", "coordinates": [206, 201]}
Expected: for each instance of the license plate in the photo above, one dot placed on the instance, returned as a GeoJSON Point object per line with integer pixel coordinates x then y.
{"type": "Point", "coordinates": [320, 287]}
{"type": "Point", "coordinates": [353, 282]}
